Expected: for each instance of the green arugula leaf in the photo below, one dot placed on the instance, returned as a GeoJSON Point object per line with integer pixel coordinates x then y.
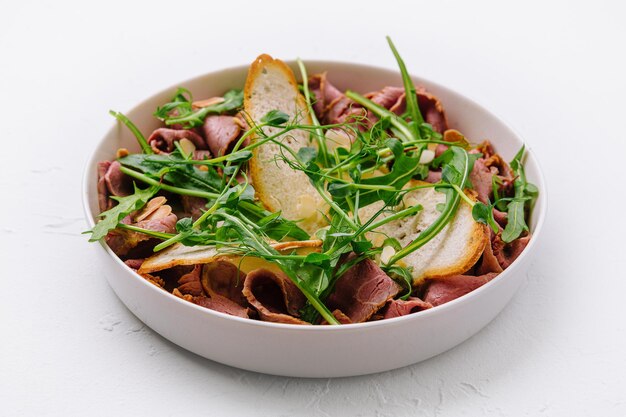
{"type": "Point", "coordinates": [273, 224]}
{"type": "Point", "coordinates": [179, 173]}
{"type": "Point", "coordinates": [339, 189]}
{"type": "Point", "coordinates": [403, 276]}
{"type": "Point", "coordinates": [143, 143]}
{"type": "Point", "coordinates": [411, 95]}
{"type": "Point", "coordinates": [303, 276]}
{"type": "Point", "coordinates": [307, 154]}
{"type": "Point", "coordinates": [275, 118]}
{"type": "Point", "coordinates": [393, 242]}
{"type": "Point", "coordinates": [361, 246]}
{"type": "Point", "coordinates": [125, 206]}
{"type": "Point", "coordinates": [403, 169]}
{"type": "Point", "coordinates": [181, 103]}
{"type": "Point", "coordinates": [516, 223]}
{"type": "Point", "coordinates": [189, 118]}
{"type": "Point", "coordinates": [483, 213]}
{"type": "Point", "coordinates": [240, 156]}
{"type": "Point", "coordinates": [525, 194]}
{"type": "Point", "coordinates": [315, 258]}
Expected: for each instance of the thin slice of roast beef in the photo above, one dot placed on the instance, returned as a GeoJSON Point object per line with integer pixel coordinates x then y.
{"type": "Point", "coordinates": [134, 263]}
{"type": "Point", "coordinates": [361, 291]}
{"type": "Point", "coordinates": [193, 206]}
{"type": "Point", "coordinates": [222, 278]}
{"type": "Point", "coordinates": [162, 139]}
{"type": "Point", "coordinates": [389, 98]}
{"type": "Point", "coordinates": [112, 182]}
{"type": "Point", "coordinates": [190, 282]}
{"type": "Point", "coordinates": [506, 253]}
{"type": "Point", "coordinates": [221, 133]}
{"type": "Point", "coordinates": [441, 290]}
{"type": "Point", "coordinates": [488, 261]}
{"type": "Point", "coordinates": [127, 243]}
{"type": "Point", "coordinates": [221, 304]}
{"type": "Point", "coordinates": [332, 106]}
{"type": "Point", "coordinates": [274, 296]}
{"type": "Point", "coordinates": [432, 110]}
{"type": "Point", "coordinates": [323, 93]}
{"type": "Point", "coordinates": [397, 308]}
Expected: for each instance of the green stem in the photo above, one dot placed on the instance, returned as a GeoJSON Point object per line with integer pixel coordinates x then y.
{"type": "Point", "coordinates": [335, 207]}
{"type": "Point", "coordinates": [452, 203]}
{"type": "Point", "coordinates": [409, 89]}
{"type": "Point", "coordinates": [169, 242]}
{"type": "Point", "coordinates": [176, 190]}
{"type": "Point", "coordinates": [430, 232]}
{"type": "Point", "coordinates": [265, 249]}
{"type": "Point", "coordinates": [152, 233]}
{"type": "Point", "coordinates": [307, 96]}
{"type": "Point", "coordinates": [380, 111]}
{"type": "Point", "coordinates": [398, 215]}
{"type": "Point", "coordinates": [463, 195]}
{"type": "Point", "coordinates": [145, 147]}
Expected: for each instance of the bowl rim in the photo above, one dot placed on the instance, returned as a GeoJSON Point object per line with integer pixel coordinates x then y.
{"type": "Point", "coordinates": [87, 185]}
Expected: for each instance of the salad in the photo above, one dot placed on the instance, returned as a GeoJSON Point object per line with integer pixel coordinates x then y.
{"type": "Point", "coordinates": [297, 202]}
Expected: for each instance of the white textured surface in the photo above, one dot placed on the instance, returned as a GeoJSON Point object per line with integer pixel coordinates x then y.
{"type": "Point", "coordinates": [555, 70]}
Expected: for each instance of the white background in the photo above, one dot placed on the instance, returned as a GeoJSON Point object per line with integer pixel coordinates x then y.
{"type": "Point", "coordinates": [554, 70]}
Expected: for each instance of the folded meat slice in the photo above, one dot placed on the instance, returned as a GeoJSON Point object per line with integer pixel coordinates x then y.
{"type": "Point", "coordinates": [432, 110]}
{"type": "Point", "coordinates": [389, 98]}
{"type": "Point", "coordinates": [506, 253]}
{"type": "Point", "coordinates": [221, 304]}
{"type": "Point", "coordinates": [485, 168]}
{"type": "Point", "coordinates": [361, 291]}
{"type": "Point", "coordinates": [134, 263]}
{"type": "Point", "coordinates": [221, 133]}
{"type": "Point", "coordinates": [274, 296]}
{"type": "Point", "coordinates": [156, 217]}
{"type": "Point", "coordinates": [162, 139]}
{"type": "Point", "coordinates": [397, 308]}
{"type": "Point", "coordinates": [332, 106]}
{"type": "Point", "coordinates": [193, 206]}
{"type": "Point", "coordinates": [441, 290]}
{"type": "Point", "coordinates": [223, 278]}
{"type": "Point", "coordinates": [111, 182]}
{"type": "Point", "coordinates": [323, 93]}
{"type": "Point", "coordinates": [190, 282]}
{"type": "Point", "coordinates": [481, 180]}
{"type": "Point", "coordinates": [488, 262]}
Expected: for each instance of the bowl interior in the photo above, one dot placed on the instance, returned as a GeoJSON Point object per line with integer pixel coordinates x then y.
{"type": "Point", "coordinates": [463, 114]}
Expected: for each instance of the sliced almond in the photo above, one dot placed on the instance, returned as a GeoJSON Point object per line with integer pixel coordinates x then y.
{"type": "Point", "coordinates": [427, 156]}
{"type": "Point", "coordinates": [386, 254]}
{"type": "Point", "coordinates": [187, 146]}
{"type": "Point", "coordinates": [150, 208]}
{"type": "Point", "coordinates": [207, 102]}
{"type": "Point", "coordinates": [121, 152]}
{"type": "Point", "coordinates": [315, 243]}
{"type": "Point", "coordinates": [453, 135]}
{"type": "Point", "coordinates": [160, 213]}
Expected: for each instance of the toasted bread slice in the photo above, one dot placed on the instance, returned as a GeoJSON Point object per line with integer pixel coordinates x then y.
{"type": "Point", "coordinates": [271, 85]}
{"type": "Point", "coordinates": [452, 251]}
{"type": "Point", "coordinates": [180, 254]}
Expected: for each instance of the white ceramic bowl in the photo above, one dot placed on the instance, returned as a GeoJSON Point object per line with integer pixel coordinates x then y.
{"type": "Point", "coordinates": [317, 351]}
